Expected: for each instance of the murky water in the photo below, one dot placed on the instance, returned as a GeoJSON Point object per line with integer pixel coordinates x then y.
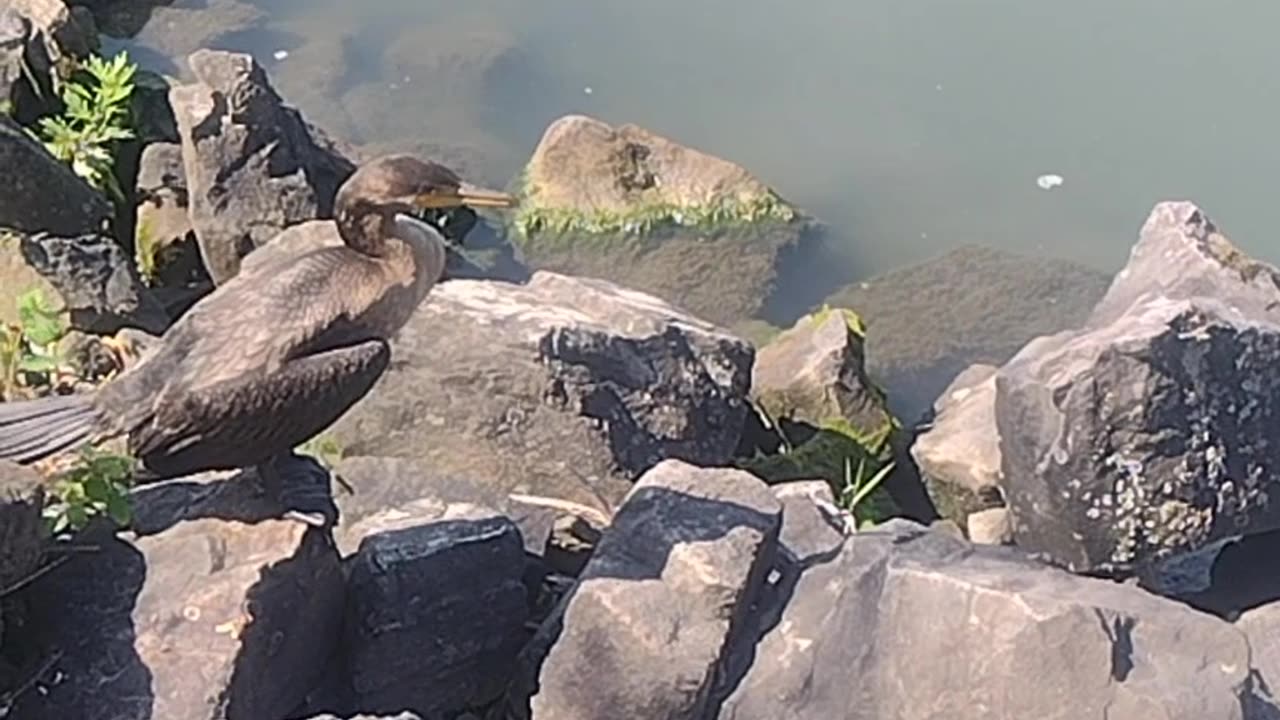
{"type": "Point", "coordinates": [911, 126]}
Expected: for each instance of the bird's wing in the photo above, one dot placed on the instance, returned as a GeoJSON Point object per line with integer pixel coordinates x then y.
{"type": "Point", "coordinates": [258, 320]}
{"type": "Point", "coordinates": [242, 421]}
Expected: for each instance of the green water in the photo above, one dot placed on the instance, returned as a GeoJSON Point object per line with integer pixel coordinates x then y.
{"type": "Point", "coordinates": [910, 126]}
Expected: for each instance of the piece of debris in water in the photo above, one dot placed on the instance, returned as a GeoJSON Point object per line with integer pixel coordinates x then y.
{"type": "Point", "coordinates": [1049, 182]}
{"type": "Point", "coordinates": [280, 54]}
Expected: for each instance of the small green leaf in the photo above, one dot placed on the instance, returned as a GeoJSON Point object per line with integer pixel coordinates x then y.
{"type": "Point", "coordinates": [119, 509]}
{"type": "Point", "coordinates": [38, 364]}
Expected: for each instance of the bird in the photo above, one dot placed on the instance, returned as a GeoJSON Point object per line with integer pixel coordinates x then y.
{"type": "Point", "coordinates": [276, 354]}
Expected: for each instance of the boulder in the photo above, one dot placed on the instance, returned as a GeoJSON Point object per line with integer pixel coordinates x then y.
{"type": "Point", "coordinates": [437, 608]}
{"type": "Point", "coordinates": [1261, 626]}
{"type": "Point", "coordinates": [959, 454]}
{"type": "Point", "coordinates": [253, 166]}
{"type": "Point", "coordinates": [811, 382]}
{"type": "Point", "coordinates": [175, 30]}
{"type": "Point", "coordinates": [630, 206]}
{"type": "Point", "coordinates": [973, 304]}
{"type": "Point", "coordinates": [651, 622]}
{"type": "Point", "coordinates": [909, 623]}
{"type": "Point", "coordinates": [1146, 436]}
{"type": "Point", "coordinates": [23, 535]}
{"type": "Point", "coordinates": [563, 387]}
{"type": "Point", "coordinates": [97, 282]}
{"type": "Point", "coordinates": [39, 39]}
{"type": "Point", "coordinates": [211, 617]}
{"type": "Point", "coordinates": [168, 254]}
{"type": "Point", "coordinates": [31, 176]}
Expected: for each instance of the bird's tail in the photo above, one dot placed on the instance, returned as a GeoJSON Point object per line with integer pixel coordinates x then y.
{"type": "Point", "coordinates": [32, 430]}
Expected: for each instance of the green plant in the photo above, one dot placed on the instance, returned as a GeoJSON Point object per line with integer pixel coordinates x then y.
{"type": "Point", "coordinates": [95, 118]}
{"type": "Point", "coordinates": [97, 485]}
{"type": "Point", "coordinates": [325, 449]}
{"type": "Point", "coordinates": [858, 487]}
{"type": "Point", "coordinates": [146, 248]}
{"type": "Point", "coordinates": [29, 353]}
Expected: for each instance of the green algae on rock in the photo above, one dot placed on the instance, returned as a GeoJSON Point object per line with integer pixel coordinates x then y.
{"type": "Point", "coordinates": [811, 379]}
{"type": "Point", "coordinates": [630, 206]}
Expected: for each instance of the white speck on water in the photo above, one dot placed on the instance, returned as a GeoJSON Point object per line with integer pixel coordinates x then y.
{"type": "Point", "coordinates": [938, 87]}
{"type": "Point", "coordinates": [280, 54]}
{"type": "Point", "coordinates": [1049, 182]}
{"type": "Point", "coordinates": [587, 90]}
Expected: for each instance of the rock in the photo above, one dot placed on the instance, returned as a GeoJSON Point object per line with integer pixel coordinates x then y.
{"type": "Point", "coordinates": [167, 249]}
{"type": "Point", "coordinates": [1147, 434]}
{"type": "Point", "coordinates": [174, 31]}
{"type": "Point", "coordinates": [15, 90]}
{"type": "Point", "coordinates": [563, 387]}
{"type": "Point", "coordinates": [253, 165]}
{"type": "Point", "coordinates": [627, 205]}
{"type": "Point", "coordinates": [663, 599]}
{"type": "Point", "coordinates": [959, 455]}
{"type": "Point", "coordinates": [928, 322]}
{"type": "Point", "coordinates": [31, 177]}
{"type": "Point", "coordinates": [62, 36]}
{"type": "Point", "coordinates": [437, 608]}
{"type": "Point", "coordinates": [982, 633]}
{"type": "Point", "coordinates": [400, 716]}
{"type": "Point", "coordinates": [97, 281]}
{"type": "Point", "coordinates": [990, 527]}
{"type": "Point", "coordinates": [811, 382]}
{"type": "Point", "coordinates": [17, 277]}
{"type": "Point", "coordinates": [23, 534]}
{"type": "Point", "coordinates": [211, 618]}
{"type": "Point", "coordinates": [153, 116]}
{"type": "Point", "coordinates": [1260, 625]}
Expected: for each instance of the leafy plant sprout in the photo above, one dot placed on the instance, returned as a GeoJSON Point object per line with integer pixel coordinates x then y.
{"type": "Point", "coordinates": [96, 117]}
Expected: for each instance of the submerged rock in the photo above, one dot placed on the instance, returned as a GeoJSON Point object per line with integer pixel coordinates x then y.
{"type": "Point", "coordinates": [913, 624]}
{"type": "Point", "coordinates": [633, 207]}
{"type": "Point", "coordinates": [253, 165]}
{"type": "Point", "coordinates": [928, 322]}
{"type": "Point", "coordinates": [1149, 433]}
{"type": "Point", "coordinates": [648, 629]}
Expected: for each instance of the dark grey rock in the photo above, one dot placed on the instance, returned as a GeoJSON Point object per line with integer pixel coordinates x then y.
{"type": "Point", "coordinates": [437, 608]}
{"type": "Point", "coordinates": [564, 387]}
{"type": "Point", "coordinates": [32, 178]}
{"type": "Point", "coordinates": [914, 624]}
{"type": "Point", "coordinates": [253, 165]}
{"type": "Point", "coordinates": [97, 281]}
{"type": "Point", "coordinates": [1148, 434]}
{"type": "Point", "coordinates": [959, 455]}
{"type": "Point", "coordinates": [386, 483]}
{"type": "Point", "coordinates": [973, 304]}
{"type": "Point", "coordinates": [208, 619]}
{"type": "Point", "coordinates": [15, 29]}
{"type": "Point", "coordinates": [400, 716]}
{"type": "Point", "coordinates": [23, 535]}
{"type": "Point", "coordinates": [647, 629]}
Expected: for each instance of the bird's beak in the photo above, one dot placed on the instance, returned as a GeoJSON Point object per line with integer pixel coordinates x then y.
{"type": "Point", "coordinates": [464, 194]}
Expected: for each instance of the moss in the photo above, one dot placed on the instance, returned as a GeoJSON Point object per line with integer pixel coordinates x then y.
{"type": "Point", "coordinates": [852, 320]}
{"type": "Point", "coordinates": [532, 220]}
{"type": "Point", "coordinates": [825, 456]}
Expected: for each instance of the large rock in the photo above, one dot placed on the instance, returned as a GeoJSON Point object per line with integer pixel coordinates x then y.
{"type": "Point", "coordinates": [31, 177]}
{"type": "Point", "coordinates": [1149, 433]}
{"type": "Point", "coordinates": [649, 627]}
{"type": "Point", "coordinates": [633, 207]}
{"type": "Point", "coordinates": [253, 165]}
{"type": "Point", "coordinates": [97, 282]}
{"type": "Point", "coordinates": [959, 455]}
{"type": "Point", "coordinates": [913, 624]}
{"type": "Point", "coordinates": [563, 387]}
{"type": "Point", "coordinates": [812, 383]}
{"type": "Point", "coordinates": [209, 618]}
{"type": "Point", "coordinates": [437, 608]}
{"type": "Point", "coordinates": [927, 322]}
{"type": "Point", "coordinates": [1261, 626]}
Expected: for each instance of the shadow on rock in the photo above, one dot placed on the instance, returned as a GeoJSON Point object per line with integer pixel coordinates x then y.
{"type": "Point", "coordinates": [82, 614]}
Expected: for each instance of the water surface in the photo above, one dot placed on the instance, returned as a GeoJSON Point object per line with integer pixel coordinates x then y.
{"type": "Point", "coordinates": [911, 126]}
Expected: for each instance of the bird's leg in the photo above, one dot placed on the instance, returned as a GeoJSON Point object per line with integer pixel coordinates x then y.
{"type": "Point", "coordinates": [300, 485]}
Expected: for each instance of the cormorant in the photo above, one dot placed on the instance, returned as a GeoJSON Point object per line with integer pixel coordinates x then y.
{"type": "Point", "coordinates": [278, 353]}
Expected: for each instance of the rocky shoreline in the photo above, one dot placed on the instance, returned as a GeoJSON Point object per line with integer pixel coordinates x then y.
{"type": "Point", "coordinates": [605, 476]}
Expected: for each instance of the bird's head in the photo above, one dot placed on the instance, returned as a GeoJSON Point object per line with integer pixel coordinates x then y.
{"type": "Point", "coordinates": [368, 203]}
